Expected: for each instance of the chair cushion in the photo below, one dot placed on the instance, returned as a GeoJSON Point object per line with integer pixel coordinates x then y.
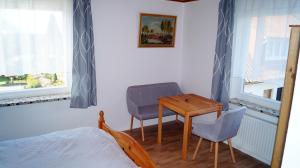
{"type": "Point", "coordinates": [205, 130]}
{"type": "Point", "coordinates": [151, 111]}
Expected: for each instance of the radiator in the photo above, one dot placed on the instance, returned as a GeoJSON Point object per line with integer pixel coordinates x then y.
{"type": "Point", "coordinates": [256, 136]}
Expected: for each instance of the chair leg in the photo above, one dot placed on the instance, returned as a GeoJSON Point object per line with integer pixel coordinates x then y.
{"type": "Point", "coordinates": [131, 123]}
{"type": "Point", "coordinates": [216, 154]}
{"type": "Point", "coordinates": [231, 150]}
{"type": "Point", "coordinates": [211, 146]}
{"type": "Point", "coordinates": [197, 148]}
{"type": "Point", "coordinates": [142, 130]}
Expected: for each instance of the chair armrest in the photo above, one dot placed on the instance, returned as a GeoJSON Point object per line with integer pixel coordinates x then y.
{"type": "Point", "coordinates": [132, 107]}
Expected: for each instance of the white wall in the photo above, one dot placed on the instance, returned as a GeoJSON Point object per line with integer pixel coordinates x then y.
{"type": "Point", "coordinates": [119, 64]}
{"type": "Point", "coordinates": [200, 30]}
{"type": "Point", "coordinates": [292, 148]}
{"type": "Point", "coordinates": [35, 119]}
{"type": "Point", "coordinates": [199, 39]}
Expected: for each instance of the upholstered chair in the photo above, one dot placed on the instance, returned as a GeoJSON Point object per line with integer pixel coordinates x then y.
{"type": "Point", "coordinates": [223, 128]}
{"type": "Point", "coordinates": [142, 101]}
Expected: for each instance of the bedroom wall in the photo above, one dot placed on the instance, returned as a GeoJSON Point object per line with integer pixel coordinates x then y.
{"type": "Point", "coordinates": [200, 30]}
{"type": "Point", "coordinates": [119, 64]}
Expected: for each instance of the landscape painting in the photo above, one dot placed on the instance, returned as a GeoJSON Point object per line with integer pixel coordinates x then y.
{"type": "Point", "coordinates": [157, 30]}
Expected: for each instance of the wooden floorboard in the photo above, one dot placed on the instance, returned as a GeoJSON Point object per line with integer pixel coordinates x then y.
{"type": "Point", "coordinates": [168, 154]}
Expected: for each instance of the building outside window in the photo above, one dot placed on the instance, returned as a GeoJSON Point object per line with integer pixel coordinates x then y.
{"type": "Point", "coordinates": [260, 49]}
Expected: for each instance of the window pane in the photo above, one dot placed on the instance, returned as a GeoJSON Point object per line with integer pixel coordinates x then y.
{"type": "Point", "coordinates": [267, 55]}
{"type": "Point", "coordinates": [35, 44]}
{"type": "Point", "coordinates": [30, 81]}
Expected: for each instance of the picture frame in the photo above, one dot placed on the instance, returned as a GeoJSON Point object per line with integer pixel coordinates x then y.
{"type": "Point", "coordinates": [157, 30]}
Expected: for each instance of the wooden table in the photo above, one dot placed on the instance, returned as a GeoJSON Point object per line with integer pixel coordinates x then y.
{"type": "Point", "coordinates": [188, 106]}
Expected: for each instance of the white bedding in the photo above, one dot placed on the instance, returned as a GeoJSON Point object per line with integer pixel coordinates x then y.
{"type": "Point", "coordinates": [76, 148]}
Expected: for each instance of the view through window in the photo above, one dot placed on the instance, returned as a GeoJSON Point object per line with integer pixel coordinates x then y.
{"type": "Point", "coordinates": [30, 81]}
{"type": "Point", "coordinates": [35, 44]}
{"type": "Point", "coordinates": [260, 49]}
{"type": "Point", "coordinates": [267, 56]}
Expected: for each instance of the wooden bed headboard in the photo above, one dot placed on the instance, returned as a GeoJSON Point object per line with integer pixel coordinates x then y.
{"type": "Point", "coordinates": [130, 146]}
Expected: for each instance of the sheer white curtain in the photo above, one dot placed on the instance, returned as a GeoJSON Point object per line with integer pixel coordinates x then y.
{"type": "Point", "coordinates": [35, 36]}
{"type": "Point", "coordinates": [261, 40]}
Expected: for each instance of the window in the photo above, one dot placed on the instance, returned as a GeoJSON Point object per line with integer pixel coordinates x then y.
{"type": "Point", "coordinates": [35, 47]}
{"type": "Point", "coordinates": [260, 49]}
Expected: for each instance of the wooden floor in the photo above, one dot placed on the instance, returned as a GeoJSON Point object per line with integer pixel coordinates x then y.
{"type": "Point", "coordinates": [168, 154]}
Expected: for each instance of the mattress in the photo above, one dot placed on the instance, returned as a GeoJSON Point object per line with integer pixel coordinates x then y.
{"type": "Point", "coordinates": [76, 148]}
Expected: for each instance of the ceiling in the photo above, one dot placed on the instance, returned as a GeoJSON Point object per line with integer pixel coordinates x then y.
{"type": "Point", "coordinates": [183, 1]}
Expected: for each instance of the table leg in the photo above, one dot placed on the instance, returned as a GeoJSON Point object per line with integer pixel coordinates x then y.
{"type": "Point", "coordinates": [185, 137]}
{"type": "Point", "coordinates": [190, 127]}
{"type": "Point", "coordinates": [219, 110]}
{"type": "Point", "coordinates": [160, 113]}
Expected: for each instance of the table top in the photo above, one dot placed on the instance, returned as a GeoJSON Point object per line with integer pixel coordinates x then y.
{"type": "Point", "coordinates": [191, 104]}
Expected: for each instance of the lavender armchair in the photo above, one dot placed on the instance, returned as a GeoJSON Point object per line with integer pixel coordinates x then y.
{"type": "Point", "coordinates": [224, 128]}
{"type": "Point", "coordinates": [142, 101]}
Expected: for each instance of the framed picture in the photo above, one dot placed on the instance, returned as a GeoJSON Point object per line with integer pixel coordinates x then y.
{"type": "Point", "coordinates": [157, 30]}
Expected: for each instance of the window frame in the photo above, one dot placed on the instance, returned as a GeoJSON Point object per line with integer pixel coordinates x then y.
{"type": "Point", "coordinates": [237, 91]}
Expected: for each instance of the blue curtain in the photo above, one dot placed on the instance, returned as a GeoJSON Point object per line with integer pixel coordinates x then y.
{"type": "Point", "coordinates": [223, 53]}
{"type": "Point", "coordinates": [83, 93]}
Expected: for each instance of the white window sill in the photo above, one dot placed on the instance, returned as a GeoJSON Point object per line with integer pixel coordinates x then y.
{"type": "Point", "coordinates": [33, 99]}
{"type": "Point", "coordinates": [255, 107]}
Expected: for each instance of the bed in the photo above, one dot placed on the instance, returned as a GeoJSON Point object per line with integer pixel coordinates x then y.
{"type": "Point", "coordinates": [84, 147]}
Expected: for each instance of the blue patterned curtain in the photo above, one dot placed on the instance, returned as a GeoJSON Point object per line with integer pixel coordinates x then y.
{"type": "Point", "coordinates": [83, 93]}
{"type": "Point", "coordinates": [223, 53]}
